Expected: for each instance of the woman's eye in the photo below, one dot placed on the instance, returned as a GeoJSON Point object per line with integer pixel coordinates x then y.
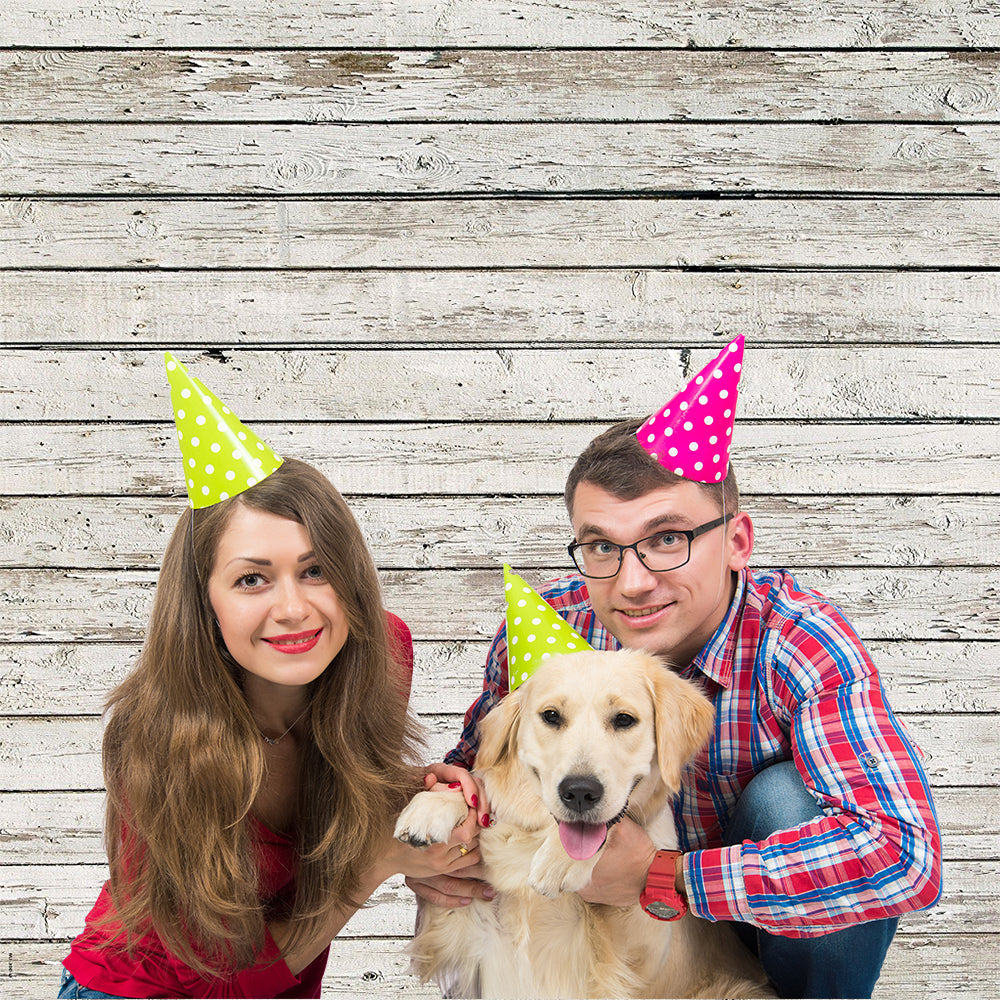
{"type": "Point", "coordinates": [314, 573]}
{"type": "Point", "coordinates": [249, 580]}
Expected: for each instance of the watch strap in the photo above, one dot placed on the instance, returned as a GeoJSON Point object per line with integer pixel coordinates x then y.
{"type": "Point", "coordinates": [660, 898]}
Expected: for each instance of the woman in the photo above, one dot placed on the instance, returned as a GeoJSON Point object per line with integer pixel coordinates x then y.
{"type": "Point", "coordinates": [257, 754]}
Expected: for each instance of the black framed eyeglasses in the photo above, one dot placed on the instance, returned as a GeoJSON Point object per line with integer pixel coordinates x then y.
{"type": "Point", "coordinates": [663, 551]}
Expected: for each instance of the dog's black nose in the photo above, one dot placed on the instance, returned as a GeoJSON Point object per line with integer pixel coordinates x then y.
{"type": "Point", "coordinates": [580, 792]}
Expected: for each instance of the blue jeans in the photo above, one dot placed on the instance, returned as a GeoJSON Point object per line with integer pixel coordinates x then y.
{"type": "Point", "coordinates": [844, 963]}
{"type": "Point", "coordinates": [70, 988]}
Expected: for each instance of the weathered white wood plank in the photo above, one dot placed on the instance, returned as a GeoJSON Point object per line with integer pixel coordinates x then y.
{"type": "Point", "coordinates": [38, 754]}
{"type": "Point", "coordinates": [783, 383]}
{"type": "Point", "coordinates": [100, 605]}
{"type": "Point", "coordinates": [43, 902]}
{"type": "Point", "coordinates": [501, 308]}
{"type": "Point", "coordinates": [709, 23]}
{"type": "Point", "coordinates": [75, 678]}
{"type": "Point", "coordinates": [528, 158]}
{"type": "Point", "coordinates": [407, 85]}
{"type": "Point", "coordinates": [918, 967]}
{"type": "Point", "coordinates": [465, 532]}
{"type": "Point", "coordinates": [624, 232]}
{"type": "Point", "coordinates": [504, 459]}
{"type": "Point", "coordinates": [65, 828]}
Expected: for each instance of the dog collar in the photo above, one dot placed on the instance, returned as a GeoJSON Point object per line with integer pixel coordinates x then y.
{"type": "Point", "coordinates": [660, 899]}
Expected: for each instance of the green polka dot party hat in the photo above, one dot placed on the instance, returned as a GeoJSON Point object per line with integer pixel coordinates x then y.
{"type": "Point", "coordinates": [535, 631]}
{"type": "Point", "coordinates": [222, 457]}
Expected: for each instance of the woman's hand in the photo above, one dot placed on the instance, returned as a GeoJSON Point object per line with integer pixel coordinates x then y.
{"type": "Point", "coordinates": [459, 853]}
{"type": "Point", "coordinates": [472, 788]}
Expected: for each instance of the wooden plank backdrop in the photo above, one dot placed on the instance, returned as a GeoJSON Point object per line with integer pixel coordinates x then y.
{"type": "Point", "coordinates": [434, 249]}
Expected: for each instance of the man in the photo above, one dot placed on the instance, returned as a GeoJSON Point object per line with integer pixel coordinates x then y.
{"type": "Point", "coordinates": [807, 821]}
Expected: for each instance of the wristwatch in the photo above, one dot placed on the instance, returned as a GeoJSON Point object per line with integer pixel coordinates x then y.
{"type": "Point", "coordinates": [660, 898]}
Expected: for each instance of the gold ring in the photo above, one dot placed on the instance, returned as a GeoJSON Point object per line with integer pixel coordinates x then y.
{"type": "Point", "coordinates": [463, 850]}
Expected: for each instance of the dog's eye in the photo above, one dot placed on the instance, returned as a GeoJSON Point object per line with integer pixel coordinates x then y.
{"type": "Point", "coordinates": [624, 721]}
{"type": "Point", "coordinates": [551, 717]}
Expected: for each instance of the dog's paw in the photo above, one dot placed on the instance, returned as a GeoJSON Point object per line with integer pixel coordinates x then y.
{"type": "Point", "coordinates": [429, 818]}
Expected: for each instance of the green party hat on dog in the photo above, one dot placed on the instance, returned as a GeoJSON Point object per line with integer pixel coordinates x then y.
{"type": "Point", "coordinates": [222, 457]}
{"type": "Point", "coordinates": [534, 630]}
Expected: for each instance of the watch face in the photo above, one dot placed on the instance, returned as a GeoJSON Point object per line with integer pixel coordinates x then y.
{"type": "Point", "coordinates": [664, 911]}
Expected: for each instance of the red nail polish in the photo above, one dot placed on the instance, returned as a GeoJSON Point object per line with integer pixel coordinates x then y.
{"type": "Point", "coordinates": [455, 784]}
{"type": "Point", "coordinates": [475, 801]}
{"type": "Point", "coordinates": [486, 819]}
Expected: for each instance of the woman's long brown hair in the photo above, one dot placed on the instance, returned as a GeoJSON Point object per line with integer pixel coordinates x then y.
{"type": "Point", "coordinates": [183, 758]}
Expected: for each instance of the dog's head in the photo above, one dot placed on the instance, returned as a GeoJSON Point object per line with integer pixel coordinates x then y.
{"type": "Point", "coordinates": [592, 734]}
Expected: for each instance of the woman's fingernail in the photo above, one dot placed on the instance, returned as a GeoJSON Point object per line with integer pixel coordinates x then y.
{"type": "Point", "coordinates": [486, 819]}
{"type": "Point", "coordinates": [455, 784]}
{"type": "Point", "coordinates": [475, 801]}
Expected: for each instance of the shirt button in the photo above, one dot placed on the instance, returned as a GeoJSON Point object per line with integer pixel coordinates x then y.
{"type": "Point", "coordinates": [870, 760]}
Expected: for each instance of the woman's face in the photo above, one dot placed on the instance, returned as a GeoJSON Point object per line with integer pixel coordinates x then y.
{"type": "Point", "coordinates": [279, 618]}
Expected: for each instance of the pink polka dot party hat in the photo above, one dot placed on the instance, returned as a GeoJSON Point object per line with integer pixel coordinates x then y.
{"type": "Point", "coordinates": [692, 433]}
{"type": "Point", "coordinates": [222, 457]}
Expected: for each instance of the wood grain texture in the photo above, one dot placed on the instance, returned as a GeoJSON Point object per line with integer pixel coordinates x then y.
{"type": "Point", "coordinates": [919, 966]}
{"type": "Point", "coordinates": [41, 754]}
{"type": "Point", "coordinates": [461, 85]}
{"type": "Point", "coordinates": [667, 23]}
{"type": "Point", "coordinates": [478, 532]}
{"type": "Point", "coordinates": [113, 606]}
{"type": "Point", "coordinates": [64, 828]}
{"type": "Point", "coordinates": [48, 901]}
{"type": "Point", "coordinates": [47, 679]}
{"type": "Point", "coordinates": [620, 232]}
{"type": "Point", "coordinates": [785, 383]}
{"type": "Point", "coordinates": [528, 158]}
{"type": "Point", "coordinates": [497, 309]}
{"type": "Point", "coordinates": [498, 459]}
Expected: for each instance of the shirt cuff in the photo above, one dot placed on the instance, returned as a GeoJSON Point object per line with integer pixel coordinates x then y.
{"type": "Point", "coordinates": [713, 881]}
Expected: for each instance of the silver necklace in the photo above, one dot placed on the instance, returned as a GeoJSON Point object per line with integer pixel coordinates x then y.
{"type": "Point", "coordinates": [274, 743]}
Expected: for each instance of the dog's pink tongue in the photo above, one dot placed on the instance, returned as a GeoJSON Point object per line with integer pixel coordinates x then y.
{"type": "Point", "coordinates": [582, 840]}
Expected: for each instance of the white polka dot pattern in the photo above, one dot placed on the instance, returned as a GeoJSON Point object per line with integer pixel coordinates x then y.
{"type": "Point", "coordinates": [534, 630]}
{"type": "Point", "coordinates": [222, 457]}
{"type": "Point", "coordinates": [691, 434]}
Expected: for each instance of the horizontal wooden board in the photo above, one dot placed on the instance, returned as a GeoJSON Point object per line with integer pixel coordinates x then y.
{"type": "Point", "coordinates": [488, 233]}
{"type": "Point", "coordinates": [45, 828]}
{"type": "Point", "coordinates": [38, 754]}
{"type": "Point", "coordinates": [413, 85]}
{"type": "Point", "coordinates": [653, 23]}
{"type": "Point", "coordinates": [500, 309]}
{"type": "Point", "coordinates": [479, 532]}
{"type": "Point", "coordinates": [497, 459]}
{"type": "Point", "coordinates": [99, 605]}
{"type": "Point", "coordinates": [918, 967]}
{"type": "Point", "coordinates": [75, 678]}
{"type": "Point", "coordinates": [43, 902]}
{"type": "Point", "coordinates": [783, 383]}
{"type": "Point", "coordinates": [531, 158]}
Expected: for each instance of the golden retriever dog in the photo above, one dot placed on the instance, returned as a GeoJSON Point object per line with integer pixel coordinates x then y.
{"type": "Point", "coordinates": [589, 738]}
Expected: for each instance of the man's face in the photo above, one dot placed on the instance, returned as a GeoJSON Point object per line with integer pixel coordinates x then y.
{"type": "Point", "coordinates": [671, 613]}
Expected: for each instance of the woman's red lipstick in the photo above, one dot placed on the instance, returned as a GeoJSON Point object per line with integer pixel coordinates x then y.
{"type": "Point", "coordinates": [294, 642]}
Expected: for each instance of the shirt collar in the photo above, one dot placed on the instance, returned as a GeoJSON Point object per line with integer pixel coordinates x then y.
{"type": "Point", "coordinates": [717, 656]}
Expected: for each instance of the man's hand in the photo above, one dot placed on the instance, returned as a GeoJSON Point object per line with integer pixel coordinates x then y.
{"type": "Point", "coordinates": [620, 873]}
{"type": "Point", "coordinates": [453, 890]}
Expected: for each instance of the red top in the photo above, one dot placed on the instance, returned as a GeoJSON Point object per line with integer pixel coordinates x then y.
{"type": "Point", "coordinates": [152, 971]}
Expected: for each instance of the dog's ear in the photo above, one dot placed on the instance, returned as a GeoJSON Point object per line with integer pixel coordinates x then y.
{"type": "Point", "coordinates": [684, 720]}
{"type": "Point", "coordinates": [498, 733]}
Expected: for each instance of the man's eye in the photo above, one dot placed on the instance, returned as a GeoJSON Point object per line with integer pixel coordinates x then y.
{"type": "Point", "coordinates": [551, 717]}
{"type": "Point", "coordinates": [624, 721]}
{"type": "Point", "coordinates": [602, 548]}
{"type": "Point", "coordinates": [667, 540]}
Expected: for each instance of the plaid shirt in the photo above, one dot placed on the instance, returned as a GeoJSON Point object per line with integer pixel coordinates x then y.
{"type": "Point", "coordinates": [790, 680]}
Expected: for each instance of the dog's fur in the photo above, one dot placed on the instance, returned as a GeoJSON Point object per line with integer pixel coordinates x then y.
{"type": "Point", "coordinates": [626, 725]}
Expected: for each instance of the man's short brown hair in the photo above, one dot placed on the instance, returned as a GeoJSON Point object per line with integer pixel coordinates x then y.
{"type": "Point", "coordinates": [618, 464]}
